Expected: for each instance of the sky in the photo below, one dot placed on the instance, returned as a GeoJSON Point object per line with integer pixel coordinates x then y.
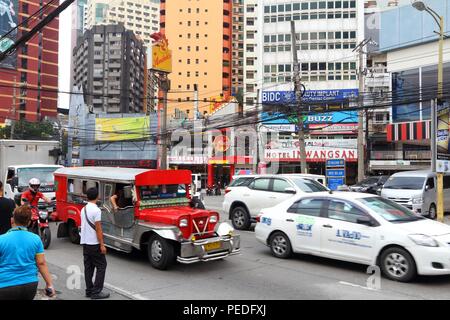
{"type": "Point", "coordinates": [65, 33]}
{"type": "Point", "coordinates": [65, 22]}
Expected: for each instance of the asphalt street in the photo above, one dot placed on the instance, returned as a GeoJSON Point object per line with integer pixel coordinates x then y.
{"type": "Point", "coordinates": [254, 274]}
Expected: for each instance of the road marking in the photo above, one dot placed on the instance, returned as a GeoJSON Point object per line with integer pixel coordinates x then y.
{"type": "Point", "coordinates": [124, 292]}
{"type": "Point", "coordinates": [356, 286]}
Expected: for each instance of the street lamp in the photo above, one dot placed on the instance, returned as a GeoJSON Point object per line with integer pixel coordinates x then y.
{"type": "Point", "coordinates": [421, 6]}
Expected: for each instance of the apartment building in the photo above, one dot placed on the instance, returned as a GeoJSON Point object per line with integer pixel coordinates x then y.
{"type": "Point", "coordinates": [29, 77]}
{"type": "Point", "coordinates": [113, 84]}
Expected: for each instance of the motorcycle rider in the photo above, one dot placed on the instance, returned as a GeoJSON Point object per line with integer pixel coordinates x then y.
{"type": "Point", "coordinates": [32, 195]}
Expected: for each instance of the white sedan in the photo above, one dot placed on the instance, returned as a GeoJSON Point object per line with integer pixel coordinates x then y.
{"type": "Point", "coordinates": [360, 228]}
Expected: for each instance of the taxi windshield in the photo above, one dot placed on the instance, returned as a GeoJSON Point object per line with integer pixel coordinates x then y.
{"type": "Point", "coordinates": [390, 210]}
{"type": "Point", "coordinates": [172, 191]}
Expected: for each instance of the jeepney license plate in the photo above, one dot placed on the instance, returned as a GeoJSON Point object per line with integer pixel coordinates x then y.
{"type": "Point", "coordinates": [213, 246]}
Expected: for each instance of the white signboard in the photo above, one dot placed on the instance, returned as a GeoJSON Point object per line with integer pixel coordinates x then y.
{"type": "Point", "coordinates": [314, 154]}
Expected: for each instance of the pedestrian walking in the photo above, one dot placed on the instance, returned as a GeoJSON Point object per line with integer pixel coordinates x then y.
{"type": "Point", "coordinates": [7, 207]}
{"type": "Point", "coordinates": [94, 250]}
{"type": "Point", "coordinates": [21, 257]}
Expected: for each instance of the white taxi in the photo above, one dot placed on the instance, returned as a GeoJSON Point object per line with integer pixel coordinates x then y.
{"type": "Point", "coordinates": [360, 228]}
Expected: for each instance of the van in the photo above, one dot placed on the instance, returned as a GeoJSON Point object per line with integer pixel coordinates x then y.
{"type": "Point", "coordinates": [416, 190]}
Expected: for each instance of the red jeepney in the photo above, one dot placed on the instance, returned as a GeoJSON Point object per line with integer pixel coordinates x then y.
{"type": "Point", "coordinates": [155, 214]}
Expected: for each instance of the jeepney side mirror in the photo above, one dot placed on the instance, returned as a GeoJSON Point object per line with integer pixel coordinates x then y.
{"type": "Point", "coordinates": [14, 182]}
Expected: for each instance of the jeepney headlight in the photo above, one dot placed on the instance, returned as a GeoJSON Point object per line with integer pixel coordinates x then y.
{"type": "Point", "coordinates": [213, 219]}
{"type": "Point", "coordinates": [183, 223]}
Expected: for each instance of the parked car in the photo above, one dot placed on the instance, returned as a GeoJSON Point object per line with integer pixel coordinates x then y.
{"type": "Point", "coordinates": [360, 228]}
{"type": "Point", "coordinates": [247, 195]}
{"type": "Point", "coordinates": [370, 184]}
{"type": "Point", "coordinates": [416, 190]}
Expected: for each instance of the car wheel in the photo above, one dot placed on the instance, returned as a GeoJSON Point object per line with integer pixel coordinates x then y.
{"type": "Point", "coordinates": [398, 265]}
{"type": "Point", "coordinates": [240, 218]}
{"type": "Point", "coordinates": [161, 253]}
{"type": "Point", "coordinates": [280, 245]}
{"type": "Point", "coordinates": [74, 235]}
{"type": "Point", "coordinates": [432, 213]}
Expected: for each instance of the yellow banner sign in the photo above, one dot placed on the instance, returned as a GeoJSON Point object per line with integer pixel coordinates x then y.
{"type": "Point", "coordinates": [122, 129]}
{"type": "Point", "coordinates": [162, 56]}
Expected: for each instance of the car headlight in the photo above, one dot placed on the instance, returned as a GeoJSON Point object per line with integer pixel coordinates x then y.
{"type": "Point", "coordinates": [423, 240]}
{"type": "Point", "coordinates": [183, 223]}
{"type": "Point", "coordinates": [417, 200]}
{"type": "Point", "coordinates": [43, 215]}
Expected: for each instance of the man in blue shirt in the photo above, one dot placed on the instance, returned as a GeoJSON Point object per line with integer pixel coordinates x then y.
{"type": "Point", "coordinates": [21, 257]}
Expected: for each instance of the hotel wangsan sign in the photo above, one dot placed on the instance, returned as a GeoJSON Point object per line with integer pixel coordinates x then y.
{"type": "Point", "coordinates": [313, 154]}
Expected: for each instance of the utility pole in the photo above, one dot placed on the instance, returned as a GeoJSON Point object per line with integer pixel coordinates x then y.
{"type": "Point", "coordinates": [165, 87]}
{"type": "Point", "coordinates": [298, 97]}
{"type": "Point", "coordinates": [361, 136]}
{"type": "Point", "coordinates": [13, 109]}
{"type": "Point", "coordinates": [440, 175]}
{"type": "Point", "coordinates": [196, 102]}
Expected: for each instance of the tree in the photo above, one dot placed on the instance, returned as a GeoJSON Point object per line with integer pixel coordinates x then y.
{"type": "Point", "coordinates": [24, 130]}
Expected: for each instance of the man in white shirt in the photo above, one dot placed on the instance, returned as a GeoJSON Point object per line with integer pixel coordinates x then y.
{"type": "Point", "coordinates": [94, 250]}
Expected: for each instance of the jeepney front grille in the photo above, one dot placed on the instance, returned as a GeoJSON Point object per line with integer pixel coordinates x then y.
{"type": "Point", "coordinates": [200, 227]}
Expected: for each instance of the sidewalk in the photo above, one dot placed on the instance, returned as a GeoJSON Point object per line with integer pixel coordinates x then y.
{"type": "Point", "coordinates": [60, 278]}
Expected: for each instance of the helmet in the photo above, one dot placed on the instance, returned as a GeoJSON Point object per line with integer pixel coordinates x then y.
{"type": "Point", "coordinates": [34, 184]}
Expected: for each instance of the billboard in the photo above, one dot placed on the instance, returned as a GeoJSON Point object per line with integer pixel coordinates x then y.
{"type": "Point", "coordinates": [122, 129]}
{"type": "Point", "coordinates": [443, 137]}
{"type": "Point", "coordinates": [162, 56]}
{"type": "Point", "coordinates": [320, 118]}
{"type": "Point", "coordinates": [311, 96]}
{"type": "Point", "coordinates": [8, 21]}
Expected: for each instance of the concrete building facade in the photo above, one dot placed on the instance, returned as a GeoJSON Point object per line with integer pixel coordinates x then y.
{"type": "Point", "coordinates": [139, 16]}
{"type": "Point", "coordinates": [110, 65]}
{"type": "Point", "coordinates": [200, 36]}
{"type": "Point", "coordinates": [29, 78]}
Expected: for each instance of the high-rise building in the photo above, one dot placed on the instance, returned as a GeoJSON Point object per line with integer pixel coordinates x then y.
{"type": "Point", "coordinates": [29, 78]}
{"type": "Point", "coordinates": [200, 36]}
{"type": "Point", "coordinates": [250, 69]}
{"type": "Point", "coordinates": [327, 32]}
{"type": "Point", "coordinates": [139, 16]}
{"type": "Point", "coordinates": [238, 48]}
{"type": "Point", "coordinates": [110, 64]}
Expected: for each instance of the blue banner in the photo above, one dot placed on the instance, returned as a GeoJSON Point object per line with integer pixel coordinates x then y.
{"type": "Point", "coordinates": [320, 118]}
{"type": "Point", "coordinates": [311, 96]}
{"type": "Point", "coordinates": [335, 163]}
{"type": "Point", "coordinates": [334, 183]}
{"type": "Point", "coordinates": [336, 173]}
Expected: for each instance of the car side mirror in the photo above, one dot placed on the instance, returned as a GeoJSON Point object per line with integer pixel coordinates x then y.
{"type": "Point", "coordinates": [427, 188]}
{"type": "Point", "coordinates": [379, 184]}
{"type": "Point", "coordinates": [365, 221]}
{"type": "Point", "coordinates": [290, 191]}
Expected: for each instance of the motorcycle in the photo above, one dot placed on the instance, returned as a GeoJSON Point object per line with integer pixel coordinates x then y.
{"type": "Point", "coordinates": [39, 224]}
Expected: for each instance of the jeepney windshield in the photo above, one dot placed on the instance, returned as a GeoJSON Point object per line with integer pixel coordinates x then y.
{"type": "Point", "coordinates": [172, 191]}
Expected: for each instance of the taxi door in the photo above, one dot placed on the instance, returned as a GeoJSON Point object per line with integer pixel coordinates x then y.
{"type": "Point", "coordinates": [303, 224]}
{"type": "Point", "coordinates": [344, 236]}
